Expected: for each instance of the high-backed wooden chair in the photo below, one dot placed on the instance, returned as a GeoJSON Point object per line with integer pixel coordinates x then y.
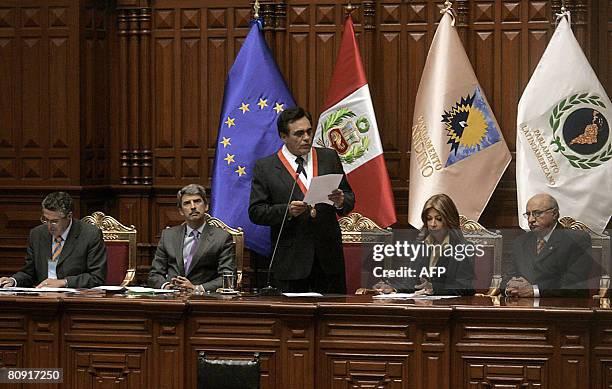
{"type": "Point", "coordinates": [600, 250]}
{"type": "Point", "coordinates": [120, 244]}
{"type": "Point", "coordinates": [487, 268]}
{"type": "Point", "coordinates": [359, 235]}
{"type": "Point", "coordinates": [238, 239]}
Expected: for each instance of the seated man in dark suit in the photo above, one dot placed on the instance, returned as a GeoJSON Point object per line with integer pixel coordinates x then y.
{"type": "Point", "coordinates": [193, 255]}
{"type": "Point", "coordinates": [548, 260]}
{"type": "Point", "coordinates": [62, 252]}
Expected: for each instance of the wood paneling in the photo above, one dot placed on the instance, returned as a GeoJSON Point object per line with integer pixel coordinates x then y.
{"type": "Point", "coordinates": [337, 342]}
{"type": "Point", "coordinates": [122, 99]}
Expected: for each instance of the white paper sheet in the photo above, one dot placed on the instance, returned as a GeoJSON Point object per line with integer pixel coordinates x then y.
{"type": "Point", "coordinates": [141, 289]}
{"type": "Point", "coordinates": [39, 290]}
{"type": "Point", "coordinates": [307, 294]}
{"type": "Point", "coordinates": [410, 296]}
{"type": "Point", "coordinates": [110, 288]}
{"type": "Point", "coordinates": [321, 187]}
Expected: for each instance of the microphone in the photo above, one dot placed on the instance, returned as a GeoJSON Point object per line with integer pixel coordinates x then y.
{"type": "Point", "coordinates": [270, 290]}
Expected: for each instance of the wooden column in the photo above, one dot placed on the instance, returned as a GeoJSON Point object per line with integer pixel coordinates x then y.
{"type": "Point", "coordinates": [134, 33]}
{"type": "Point", "coordinates": [134, 20]}
{"type": "Point", "coordinates": [280, 26]}
{"type": "Point", "coordinates": [266, 12]}
{"type": "Point", "coordinates": [146, 155]}
{"type": "Point", "coordinates": [124, 154]}
{"type": "Point", "coordinates": [369, 27]}
{"type": "Point", "coordinates": [463, 21]}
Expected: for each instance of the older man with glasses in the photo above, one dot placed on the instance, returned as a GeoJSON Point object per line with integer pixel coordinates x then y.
{"type": "Point", "coordinates": [548, 260]}
{"type": "Point", "coordinates": [62, 252]}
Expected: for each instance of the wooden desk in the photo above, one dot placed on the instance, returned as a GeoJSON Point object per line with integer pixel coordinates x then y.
{"type": "Point", "coordinates": [342, 342]}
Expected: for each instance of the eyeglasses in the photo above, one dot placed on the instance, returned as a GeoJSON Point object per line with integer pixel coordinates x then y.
{"type": "Point", "coordinates": [44, 220]}
{"type": "Point", "coordinates": [536, 214]}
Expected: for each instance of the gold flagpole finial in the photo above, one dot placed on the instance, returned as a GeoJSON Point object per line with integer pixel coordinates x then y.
{"type": "Point", "coordinates": [350, 8]}
{"type": "Point", "coordinates": [448, 8]}
{"type": "Point", "coordinates": [563, 14]}
{"type": "Point", "coordinates": [447, 5]}
{"type": "Point", "coordinates": [256, 9]}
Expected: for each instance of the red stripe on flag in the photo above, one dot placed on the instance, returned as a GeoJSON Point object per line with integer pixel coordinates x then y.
{"type": "Point", "coordinates": [348, 73]}
{"type": "Point", "coordinates": [373, 193]}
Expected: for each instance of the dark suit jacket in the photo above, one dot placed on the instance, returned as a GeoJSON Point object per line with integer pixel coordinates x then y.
{"type": "Point", "coordinates": [303, 237]}
{"type": "Point", "coordinates": [457, 279]}
{"type": "Point", "coordinates": [215, 255]}
{"type": "Point", "coordinates": [82, 261]}
{"type": "Point", "coordinates": [561, 269]}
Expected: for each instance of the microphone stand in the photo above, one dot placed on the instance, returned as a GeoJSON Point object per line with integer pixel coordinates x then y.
{"type": "Point", "coordinates": [270, 290]}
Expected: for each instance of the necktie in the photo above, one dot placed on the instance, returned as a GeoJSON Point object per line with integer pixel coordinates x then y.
{"type": "Point", "coordinates": [192, 251]}
{"type": "Point", "coordinates": [57, 248]}
{"type": "Point", "coordinates": [540, 245]}
{"type": "Point", "coordinates": [300, 168]}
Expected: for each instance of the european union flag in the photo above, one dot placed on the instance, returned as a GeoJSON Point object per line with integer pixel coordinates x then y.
{"type": "Point", "coordinates": [255, 94]}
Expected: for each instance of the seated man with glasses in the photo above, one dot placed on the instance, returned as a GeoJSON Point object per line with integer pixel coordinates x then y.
{"type": "Point", "coordinates": [548, 260]}
{"type": "Point", "coordinates": [62, 252]}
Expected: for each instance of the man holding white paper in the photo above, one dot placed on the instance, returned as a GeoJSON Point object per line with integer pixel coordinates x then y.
{"type": "Point", "coordinates": [309, 252]}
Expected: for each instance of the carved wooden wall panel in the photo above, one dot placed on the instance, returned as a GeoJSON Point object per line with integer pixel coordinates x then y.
{"type": "Point", "coordinates": [386, 349]}
{"type": "Point", "coordinates": [98, 358]}
{"type": "Point", "coordinates": [601, 354]}
{"type": "Point", "coordinates": [533, 344]}
{"type": "Point", "coordinates": [13, 346]}
{"type": "Point", "coordinates": [97, 366]}
{"type": "Point", "coordinates": [193, 49]}
{"type": "Point", "coordinates": [284, 338]}
{"type": "Point", "coordinates": [39, 103]}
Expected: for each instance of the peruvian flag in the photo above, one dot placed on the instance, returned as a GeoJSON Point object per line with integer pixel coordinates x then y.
{"type": "Point", "coordinates": [348, 125]}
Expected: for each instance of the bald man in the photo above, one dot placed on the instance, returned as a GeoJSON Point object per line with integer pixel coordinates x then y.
{"type": "Point", "coordinates": [549, 260]}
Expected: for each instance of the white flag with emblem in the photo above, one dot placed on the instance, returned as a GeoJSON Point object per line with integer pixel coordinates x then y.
{"type": "Point", "coordinates": [563, 144]}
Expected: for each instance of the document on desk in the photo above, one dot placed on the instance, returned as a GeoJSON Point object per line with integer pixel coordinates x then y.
{"type": "Point", "coordinates": [321, 187]}
{"type": "Point", "coordinates": [141, 289]}
{"type": "Point", "coordinates": [38, 290]}
{"type": "Point", "coordinates": [410, 296]}
{"type": "Point", "coordinates": [306, 294]}
{"type": "Point", "coordinates": [111, 288]}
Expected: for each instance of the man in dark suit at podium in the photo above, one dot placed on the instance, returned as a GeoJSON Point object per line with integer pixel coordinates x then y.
{"type": "Point", "coordinates": [63, 251]}
{"type": "Point", "coordinates": [309, 256]}
{"type": "Point", "coordinates": [549, 260]}
{"type": "Point", "coordinates": [195, 254]}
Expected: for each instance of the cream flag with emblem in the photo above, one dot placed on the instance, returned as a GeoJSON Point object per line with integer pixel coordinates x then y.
{"type": "Point", "coordinates": [457, 146]}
